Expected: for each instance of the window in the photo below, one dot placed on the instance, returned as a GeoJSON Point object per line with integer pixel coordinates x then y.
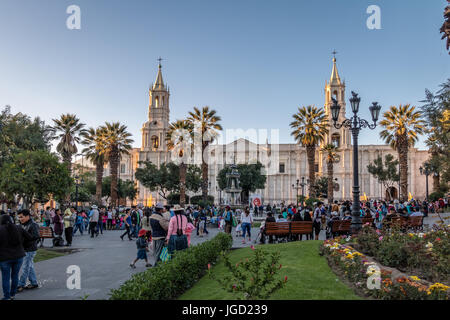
{"type": "Point", "coordinates": [281, 167]}
{"type": "Point", "coordinates": [336, 140]}
{"type": "Point", "coordinates": [316, 167]}
{"type": "Point", "coordinates": [155, 142]}
{"type": "Point", "coordinates": [122, 168]}
{"type": "Point", "coordinates": [156, 102]}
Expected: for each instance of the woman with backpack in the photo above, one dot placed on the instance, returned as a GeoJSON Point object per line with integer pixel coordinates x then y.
{"type": "Point", "coordinates": [176, 235]}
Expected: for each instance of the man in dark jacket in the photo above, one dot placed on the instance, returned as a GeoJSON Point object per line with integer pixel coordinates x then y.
{"type": "Point", "coordinates": [269, 218]}
{"type": "Point", "coordinates": [30, 247]}
{"type": "Point", "coordinates": [160, 225]}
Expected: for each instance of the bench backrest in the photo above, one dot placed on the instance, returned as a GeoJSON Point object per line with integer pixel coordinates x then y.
{"type": "Point", "coordinates": [415, 221]}
{"type": "Point", "coordinates": [301, 227]}
{"type": "Point", "coordinates": [45, 232]}
{"type": "Point", "coordinates": [279, 228]}
{"type": "Point", "coordinates": [345, 226]}
{"type": "Point", "coordinates": [369, 220]}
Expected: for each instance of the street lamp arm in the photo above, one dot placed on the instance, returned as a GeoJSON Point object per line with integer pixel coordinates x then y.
{"type": "Point", "coordinates": [347, 123]}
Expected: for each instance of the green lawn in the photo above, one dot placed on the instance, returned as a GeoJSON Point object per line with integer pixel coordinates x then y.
{"type": "Point", "coordinates": [309, 276]}
{"type": "Point", "coordinates": [43, 254]}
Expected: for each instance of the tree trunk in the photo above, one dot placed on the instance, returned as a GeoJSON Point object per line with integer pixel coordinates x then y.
{"type": "Point", "coordinates": [311, 155]}
{"type": "Point", "coordinates": [436, 182]}
{"type": "Point", "coordinates": [98, 182]}
{"type": "Point", "coordinates": [182, 185]}
{"type": "Point", "coordinates": [330, 181]}
{"type": "Point", "coordinates": [114, 167]}
{"type": "Point", "coordinates": [403, 164]}
{"type": "Point", "coordinates": [67, 159]}
{"type": "Point", "coordinates": [204, 175]}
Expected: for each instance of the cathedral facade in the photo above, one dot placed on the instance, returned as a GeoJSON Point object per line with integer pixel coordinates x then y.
{"type": "Point", "coordinates": [284, 163]}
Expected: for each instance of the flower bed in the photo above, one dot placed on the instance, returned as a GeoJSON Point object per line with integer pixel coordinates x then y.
{"type": "Point", "coordinates": [424, 254]}
{"type": "Point", "coordinates": [371, 279]}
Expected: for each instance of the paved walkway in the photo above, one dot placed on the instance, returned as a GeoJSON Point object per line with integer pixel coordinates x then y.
{"type": "Point", "coordinates": [104, 264]}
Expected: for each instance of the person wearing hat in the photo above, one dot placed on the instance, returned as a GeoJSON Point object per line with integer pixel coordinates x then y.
{"type": "Point", "coordinates": [93, 220]}
{"type": "Point", "coordinates": [159, 225]}
{"type": "Point", "coordinates": [142, 249]}
{"type": "Point", "coordinates": [176, 238]}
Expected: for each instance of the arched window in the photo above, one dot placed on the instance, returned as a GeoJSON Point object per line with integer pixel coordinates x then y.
{"type": "Point", "coordinates": [163, 101]}
{"type": "Point", "coordinates": [335, 94]}
{"type": "Point", "coordinates": [155, 142]}
{"type": "Point", "coordinates": [336, 140]}
{"type": "Point", "coordinates": [156, 102]}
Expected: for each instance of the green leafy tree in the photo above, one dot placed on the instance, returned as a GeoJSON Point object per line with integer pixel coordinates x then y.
{"type": "Point", "coordinates": [331, 153]}
{"type": "Point", "coordinates": [165, 179]}
{"type": "Point", "coordinates": [126, 189]}
{"type": "Point", "coordinates": [436, 113]}
{"type": "Point", "coordinates": [386, 173]}
{"type": "Point", "coordinates": [35, 176]}
{"type": "Point", "coordinates": [251, 178]}
{"type": "Point", "coordinates": [20, 133]}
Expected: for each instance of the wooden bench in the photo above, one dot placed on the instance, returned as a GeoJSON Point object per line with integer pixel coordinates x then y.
{"type": "Point", "coordinates": [340, 227]}
{"type": "Point", "coordinates": [280, 229]}
{"type": "Point", "coordinates": [45, 233]}
{"type": "Point", "coordinates": [415, 223]}
{"type": "Point", "coordinates": [301, 227]}
{"type": "Point", "coordinates": [368, 220]}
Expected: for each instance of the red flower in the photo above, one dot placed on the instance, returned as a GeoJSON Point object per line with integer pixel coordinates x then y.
{"type": "Point", "coordinates": [252, 247]}
{"type": "Point", "coordinates": [438, 239]}
{"type": "Point", "coordinates": [285, 279]}
{"type": "Point", "coordinates": [209, 266]}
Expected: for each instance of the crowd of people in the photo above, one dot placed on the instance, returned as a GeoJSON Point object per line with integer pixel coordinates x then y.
{"type": "Point", "coordinates": [169, 228]}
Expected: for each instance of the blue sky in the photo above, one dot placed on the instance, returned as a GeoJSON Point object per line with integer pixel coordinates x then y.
{"type": "Point", "coordinates": [253, 61]}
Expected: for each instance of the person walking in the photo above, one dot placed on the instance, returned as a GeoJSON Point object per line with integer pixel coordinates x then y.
{"type": "Point", "coordinates": [142, 249]}
{"type": "Point", "coordinates": [228, 217]}
{"type": "Point", "coordinates": [58, 225]}
{"type": "Point", "coordinates": [94, 215]}
{"type": "Point", "coordinates": [317, 220]}
{"type": "Point", "coordinates": [146, 223]}
{"type": "Point", "coordinates": [160, 226]}
{"type": "Point", "coordinates": [11, 255]}
{"type": "Point", "coordinates": [110, 219]}
{"type": "Point", "coordinates": [30, 247]}
{"type": "Point", "coordinates": [176, 238]}
{"type": "Point", "coordinates": [127, 221]}
{"type": "Point", "coordinates": [78, 224]}
{"type": "Point", "coordinates": [69, 221]}
{"type": "Point", "coordinates": [247, 222]}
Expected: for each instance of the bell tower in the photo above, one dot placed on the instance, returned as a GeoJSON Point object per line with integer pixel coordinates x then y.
{"type": "Point", "coordinates": [336, 89]}
{"type": "Point", "coordinates": [155, 129]}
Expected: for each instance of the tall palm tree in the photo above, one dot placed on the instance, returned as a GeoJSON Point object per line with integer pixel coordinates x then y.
{"type": "Point", "coordinates": [331, 152]}
{"type": "Point", "coordinates": [310, 127]}
{"type": "Point", "coordinates": [117, 143]}
{"type": "Point", "coordinates": [95, 151]}
{"type": "Point", "coordinates": [179, 141]}
{"type": "Point", "coordinates": [205, 124]}
{"type": "Point", "coordinates": [69, 128]}
{"type": "Point", "coordinates": [402, 125]}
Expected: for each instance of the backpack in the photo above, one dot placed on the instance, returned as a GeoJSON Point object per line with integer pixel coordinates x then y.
{"type": "Point", "coordinates": [58, 242]}
{"type": "Point", "coordinates": [233, 221]}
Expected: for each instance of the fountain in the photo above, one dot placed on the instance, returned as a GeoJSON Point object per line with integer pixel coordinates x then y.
{"type": "Point", "coordinates": [233, 189]}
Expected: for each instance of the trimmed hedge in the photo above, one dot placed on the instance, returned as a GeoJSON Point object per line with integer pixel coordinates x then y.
{"type": "Point", "coordinates": [169, 280]}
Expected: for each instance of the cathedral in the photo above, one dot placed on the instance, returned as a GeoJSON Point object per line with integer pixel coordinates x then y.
{"type": "Point", "coordinates": [284, 163]}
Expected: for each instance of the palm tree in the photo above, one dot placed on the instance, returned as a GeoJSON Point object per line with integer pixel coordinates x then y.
{"type": "Point", "coordinates": [402, 125]}
{"type": "Point", "coordinates": [205, 124]}
{"type": "Point", "coordinates": [179, 141]}
{"type": "Point", "coordinates": [117, 143]}
{"type": "Point", "coordinates": [69, 127]}
{"type": "Point", "coordinates": [332, 156]}
{"type": "Point", "coordinates": [310, 127]}
{"type": "Point", "coordinates": [94, 140]}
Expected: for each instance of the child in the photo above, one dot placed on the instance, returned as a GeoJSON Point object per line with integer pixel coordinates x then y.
{"type": "Point", "coordinates": [189, 228]}
{"type": "Point", "coordinates": [238, 229]}
{"type": "Point", "coordinates": [142, 248]}
{"type": "Point", "coordinates": [201, 227]}
{"type": "Point", "coordinates": [222, 224]}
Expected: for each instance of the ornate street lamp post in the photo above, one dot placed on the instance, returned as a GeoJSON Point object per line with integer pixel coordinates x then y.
{"type": "Point", "coordinates": [77, 184]}
{"type": "Point", "coordinates": [426, 170]}
{"type": "Point", "coordinates": [355, 124]}
{"type": "Point", "coordinates": [301, 185]}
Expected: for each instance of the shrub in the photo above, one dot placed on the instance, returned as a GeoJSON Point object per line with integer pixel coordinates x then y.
{"type": "Point", "coordinates": [435, 196]}
{"type": "Point", "coordinates": [174, 198]}
{"type": "Point", "coordinates": [254, 278]}
{"type": "Point", "coordinates": [197, 200]}
{"type": "Point", "coordinates": [169, 280]}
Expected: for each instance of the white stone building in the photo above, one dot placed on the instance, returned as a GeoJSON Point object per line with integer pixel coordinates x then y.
{"type": "Point", "coordinates": [284, 163]}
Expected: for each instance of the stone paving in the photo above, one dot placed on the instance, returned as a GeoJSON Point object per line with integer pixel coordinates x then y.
{"type": "Point", "coordinates": [104, 264]}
